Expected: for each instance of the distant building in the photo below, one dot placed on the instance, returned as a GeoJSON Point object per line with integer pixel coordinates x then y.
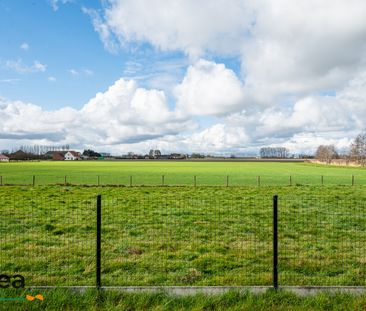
{"type": "Point", "coordinates": [72, 156]}
{"type": "Point", "coordinates": [4, 158]}
{"type": "Point", "coordinates": [58, 156]}
{"type": "Point", "coordinates": [177, 156]}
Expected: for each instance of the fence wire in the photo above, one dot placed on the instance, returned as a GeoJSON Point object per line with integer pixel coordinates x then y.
{"type": "Point", "coordinates": [181, 179]}
{"type": "Point", "coordinates": [49, 241]}
{"type": "Point", "coordinates": [181, 240]}
{"type": "Point", "coordinates": [322, 241]}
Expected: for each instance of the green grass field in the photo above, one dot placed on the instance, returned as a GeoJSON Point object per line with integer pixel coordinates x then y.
{"type": "Point", "coordinates": [184, 235]}
{"type": "Point", "coordinates": [179, 173]}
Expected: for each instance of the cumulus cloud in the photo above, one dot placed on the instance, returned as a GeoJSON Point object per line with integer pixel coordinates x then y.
{"type": "Point", "coordinates": [285, 46]}
{"type": "Point", "coordinates": [124, 113]}
{"type": "Point", "coordinates": [20, 120]}
{"type": "Point", "coordinates": [301, 126]}
{"type": "Point", "coordinates": [293, 54]}
{"type": "Point", "coordinates": [192, 26]}
{"type": "Point", "coordinates": [305, 46]}
{"type": "Point", "coordinates": [209, 89]}
{"type": "Point", "coordinates": [127, 117]}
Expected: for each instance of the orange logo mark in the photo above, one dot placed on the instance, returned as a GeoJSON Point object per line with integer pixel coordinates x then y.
{"type": "Point", "coordinates": [31, 298]}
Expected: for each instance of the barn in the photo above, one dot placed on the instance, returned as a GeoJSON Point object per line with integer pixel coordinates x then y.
{"type": "Point", "coordinates": [4, 158]}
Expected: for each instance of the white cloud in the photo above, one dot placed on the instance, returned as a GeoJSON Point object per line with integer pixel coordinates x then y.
{"type": "Point", "coordinates": [123, 114]}
{"type": "Point", "coordinates": [209, 89]}
{"type": "Point", "coordinates": [291, 54]}
{"type": "Point", "coordinates": [22, 120]}
{"type": "Point", "coordinates": [127, 113]}
{"type": "Point", "coordinates": [105, 34]}
{"type": "Point", "coordinates": [10, 80]}
{"type": "Point", "coordinates": [37, 66]}
{"type": "Point", "coordinates": [305, 46]}
{"type": "Point", "coordinates": [286, 47]}
{"type": "Point", "coordinates": [192, 26]}
{"type": "Point", "coordinates": [20, 67]}
{"type": "Point", "coordinates": [74, 72]}
{"type": "Point", "coordinates": [55, 4]}
{"type": "Point", "coordinates": [51, 79]}
{"type": "Point", "coordinates": [127, 117]}
{"type": "Point", "coordinates": [219, 138]}
{"type": "Point", "coordinates": [86, 72]}
{"type": "Point", "coordinates": [24, 46]}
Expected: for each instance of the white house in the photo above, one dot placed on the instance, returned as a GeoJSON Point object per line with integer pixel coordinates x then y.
{"type": "Point", "coordinates": [4, 158]}
{"type": "Point", "coordinates": [72, 156]}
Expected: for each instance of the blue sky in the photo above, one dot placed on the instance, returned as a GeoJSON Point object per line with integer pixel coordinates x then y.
{"type": "Point", "coordinates": [64, 40]}
{"type": "Point", "coordinates": [212, 76]}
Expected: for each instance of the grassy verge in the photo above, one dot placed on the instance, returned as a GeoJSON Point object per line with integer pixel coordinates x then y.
{"type": "Point", "coordinates": [60, 299]}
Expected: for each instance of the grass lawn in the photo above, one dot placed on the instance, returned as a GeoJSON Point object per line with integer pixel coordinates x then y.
{"type": "Point", "coordinates": [112, 300]}
{"type": "Point", "coordinates": [184, 235]}
{"type": "Point", "coordinates": [178, 173]}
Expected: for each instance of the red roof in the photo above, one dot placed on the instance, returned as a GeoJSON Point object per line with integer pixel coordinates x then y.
{"type": "Point", "coordinates": [75, 154]}
{"type": "Point", "coordinates": [3, 156]}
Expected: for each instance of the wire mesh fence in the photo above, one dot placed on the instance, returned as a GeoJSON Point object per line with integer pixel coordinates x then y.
{"type": "Point", "coordinates": [197, 180]}
{"type": "Point", "coordinates": [168, 240]}
{"type": "Point", "coordinates": [322, 241]}
{"type": "Point", "coordinates": [49, 241]}
{"type": "Point", "coordinates": [176, 241]}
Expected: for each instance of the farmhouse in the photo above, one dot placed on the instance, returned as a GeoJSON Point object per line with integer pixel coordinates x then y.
{"type": "Point", "coordinates": [58, 155]}
{"type": "Point", "coordinates": [4, 158]}
{"type": "Point", "coordinates": [72, 156]}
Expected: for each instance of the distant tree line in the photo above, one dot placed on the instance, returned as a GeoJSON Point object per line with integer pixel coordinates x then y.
{"type": "Point", "coordinates": [41, 149]}
{"type": "Point", "coordinates": [274, 152]}
{"type": "Point", "coordinates": [357, 152]}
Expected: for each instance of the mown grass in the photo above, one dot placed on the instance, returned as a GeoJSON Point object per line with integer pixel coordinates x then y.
{"type": "Point", "coordinates": [61, 299]}
{"type": "Point", "coordinates": [184, 235]}
{"type": "Point", "coordinates": [178, 173]}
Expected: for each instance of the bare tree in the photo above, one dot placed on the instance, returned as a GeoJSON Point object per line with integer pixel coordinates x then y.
{"type": "Point", "coordinates": [358, 149]}
{"type": "Point", "coordinates": [326, 153]}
